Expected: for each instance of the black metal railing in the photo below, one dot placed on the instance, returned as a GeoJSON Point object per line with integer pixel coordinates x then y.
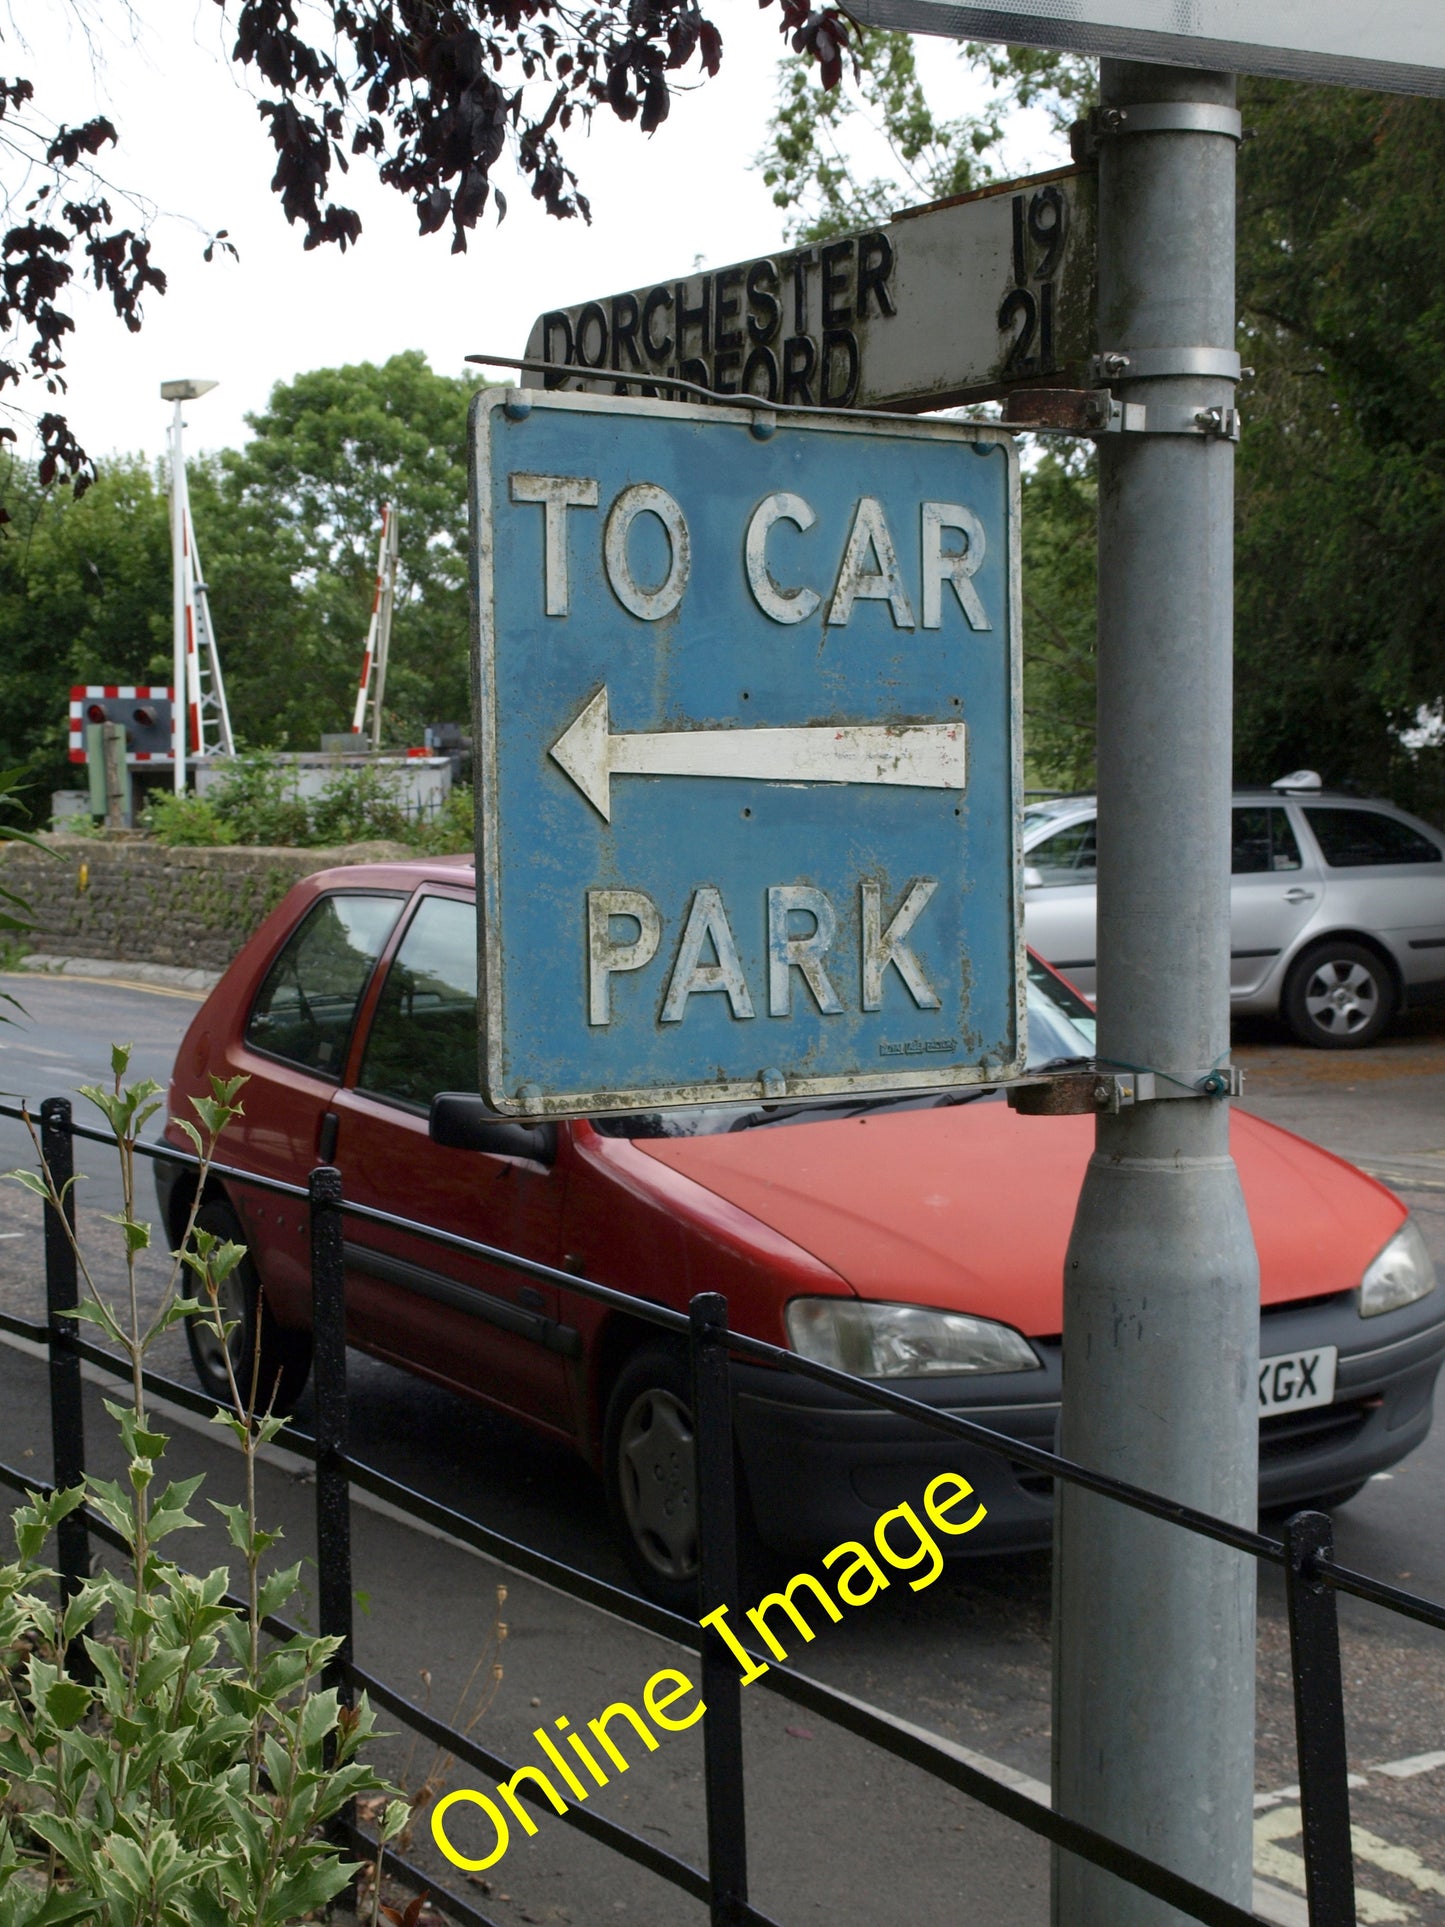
{"type": "Point", "coordinates": [1305, 1556]}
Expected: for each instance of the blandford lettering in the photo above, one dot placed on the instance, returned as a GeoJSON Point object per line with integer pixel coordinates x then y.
{"type": "Point", "coordinates": [859, 1578]}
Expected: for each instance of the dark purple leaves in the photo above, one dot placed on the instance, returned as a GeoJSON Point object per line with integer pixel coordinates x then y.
{"type": "Point", "coordinates": [437, 92]}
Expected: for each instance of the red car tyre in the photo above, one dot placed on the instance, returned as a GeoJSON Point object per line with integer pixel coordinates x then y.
{"type": "Point", "coordinates": [651, 1474]}
{"type": "Point", "coordinates": [285, 1356]}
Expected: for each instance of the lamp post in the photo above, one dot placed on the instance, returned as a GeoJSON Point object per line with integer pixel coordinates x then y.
{"type": "Point", "coordinates": [178, 392]}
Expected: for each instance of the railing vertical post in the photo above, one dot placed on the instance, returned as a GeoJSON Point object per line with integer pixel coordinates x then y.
{"type": "Point", "coordinates": [727, 1845]}
{"type": "Point", "coordinates": [333, 1492]}
{"type": "Point", "coordinates": [67, 1412]}
{"type": "Point", "coordinates": [1319, 1717]}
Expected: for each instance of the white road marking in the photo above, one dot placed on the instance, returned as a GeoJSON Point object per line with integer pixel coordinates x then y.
{"type": "Point", "coordinates": [1407, 1769]}
{"type": "Point", "coordinates": [1272, 1862]}
{"type": "Point", "coordinates": [1283, 1795]}
{"type": "Point", "coordinates": [1403, 1862]}
{"type": "Point", "coordinates": [1396, 1769]}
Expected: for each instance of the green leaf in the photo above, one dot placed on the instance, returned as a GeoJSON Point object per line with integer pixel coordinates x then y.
{"type": "Point", "coordinates": [169, 1512]}
{"type": "Point", "coordinates": [154, 1673]}
{"type": "Point", "coordinates": [277, 1588]}
{"type": "Point", "coordinates": [67, 1702]}
{"type": "Point", "coordinates": [58, 1908]}
{"type": "Point", "coordinates": [237, 1523]}
{"type": "Point", "coordinates": [394, 1818]}
{"type": "Point", "coordinates": [308, 1888]}
{"type": "Point", "coordinates": [119, 1059]}
{"type": "Point", "coordinates": [113, 1505]}
{"type": "Point", "coordinates": [137, 1235]}
{"type": "Point", "coordinates": [318, 1716]}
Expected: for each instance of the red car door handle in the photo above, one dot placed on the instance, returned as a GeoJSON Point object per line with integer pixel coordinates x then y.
{"type": "Point", "coordinates": [326, 1137]}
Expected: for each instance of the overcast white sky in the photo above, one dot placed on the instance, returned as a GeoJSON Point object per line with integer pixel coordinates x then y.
{"type": "Point", "coordinates": [192, 142]}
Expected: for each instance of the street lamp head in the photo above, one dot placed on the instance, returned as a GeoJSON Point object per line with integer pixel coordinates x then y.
{"type": "Point", "coordinates": [186, 390]}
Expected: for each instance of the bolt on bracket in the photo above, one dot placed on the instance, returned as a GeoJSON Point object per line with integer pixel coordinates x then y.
{"type": "Point", "coordinates": [1106, 1093]}
{"type": "Point", "coordinates": [1092, 412]}
{"type": "Point", "coordinates": [1151, 117]}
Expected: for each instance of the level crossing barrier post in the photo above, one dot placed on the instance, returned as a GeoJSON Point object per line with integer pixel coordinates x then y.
{"type": "Point", "coordinates": [716, 1486]}
{"type": "Point", "coordinates": [1319, 1717]}
{"type": "Point", "coordinates": [1154, 1628]}
{"type": "Point", "coordinates": [67, 1412]}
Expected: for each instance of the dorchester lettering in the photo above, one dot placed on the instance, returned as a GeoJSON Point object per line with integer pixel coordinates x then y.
{"type": "Point", "coordinates": [573, 1765]}
{"type": "Point", "coordinates": [785, 327]}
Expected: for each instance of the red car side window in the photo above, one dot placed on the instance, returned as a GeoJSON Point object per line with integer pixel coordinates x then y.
{"type": "Point", "coordinates": [423, 1036]}
{"type": "Point", "coordinates": [307, 1005]}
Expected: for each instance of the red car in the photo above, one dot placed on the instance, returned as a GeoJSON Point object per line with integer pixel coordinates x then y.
{"type": "Point", "coordinates": [917, 1239]}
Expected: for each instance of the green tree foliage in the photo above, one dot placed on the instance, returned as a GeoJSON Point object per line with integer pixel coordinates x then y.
{"type": "Point", "coordinates": [809, 162]}
{"type": "Point", "coordinates": [287, 529]}
{"type": "Point", "coordinates": [84, 597]}
{"type": "Point", "coordinates": [303, 499]}
{"type": "Point", "coordinates": [1341, 477]}
{"type": "Point", "coordinates": [1341, 603]}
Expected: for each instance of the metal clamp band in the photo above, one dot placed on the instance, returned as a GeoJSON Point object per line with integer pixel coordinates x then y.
{"type": "Point", "coordinates": [1137, 418]}
{"type": "Point", "coordinates": [1166, 117]}
{"type": "Point", "coordinates": [1157, 364]}
{"type": "Point", "coordinates": [1095, 412]}
{"type": "Point", "coordinates": [1107, 1092]}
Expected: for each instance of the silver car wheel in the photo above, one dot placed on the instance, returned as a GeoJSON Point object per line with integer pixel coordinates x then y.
{"type": "Point", "coordinates": [1341, 997]}
{"type": "Point", "coordinates": [656, 1469]}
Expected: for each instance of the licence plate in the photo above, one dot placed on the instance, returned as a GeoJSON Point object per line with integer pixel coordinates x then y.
{"type": "Point", "coordinates": [1294, 1381]}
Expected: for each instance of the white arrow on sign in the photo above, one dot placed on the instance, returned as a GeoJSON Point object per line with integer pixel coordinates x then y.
{"type": "Point", "coordinates": [920, 755]}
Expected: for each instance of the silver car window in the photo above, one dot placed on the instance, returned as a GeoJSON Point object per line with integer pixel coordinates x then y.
{"type": "Point", "coordinates": [1067, 856]}
{"type": "Point", "coordinates": [1262, 841]}
{"type": "Point", "coordinates": [1366, 839]}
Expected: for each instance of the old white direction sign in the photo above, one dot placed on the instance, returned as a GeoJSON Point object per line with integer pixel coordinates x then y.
{"type": "Point", "coordinates": [957, 301]}
{"type": "Point", "coordinates": [1397, 45]}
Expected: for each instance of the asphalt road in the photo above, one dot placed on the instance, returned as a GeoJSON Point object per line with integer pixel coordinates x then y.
{"type": "Point", "coordinates": [968, 1658]}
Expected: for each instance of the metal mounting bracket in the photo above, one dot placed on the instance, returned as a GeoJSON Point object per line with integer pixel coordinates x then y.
{"type": "Point", "coordinates": [1152, 117]}
{"type": "Point", "coordinates": [1158, 418]}
{"type": "Point", "coordinates": [1092, 412]}
{"type": "Point", "coordinates": [1158, 364]}
{"type": "Point", "coordinates": [1106, 1093]}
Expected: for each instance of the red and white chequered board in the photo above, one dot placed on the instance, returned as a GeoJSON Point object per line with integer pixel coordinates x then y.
{"type": "Point", "coordinates": [81, 693]}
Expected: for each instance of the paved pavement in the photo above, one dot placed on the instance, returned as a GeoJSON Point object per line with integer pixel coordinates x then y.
{"type": "Point", "coordinates": [835, 1827]}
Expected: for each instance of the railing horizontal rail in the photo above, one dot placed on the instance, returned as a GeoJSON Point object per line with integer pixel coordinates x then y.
{"type": "Point", "coordinates": [595, 1825]}
{"type": "Point", "coordinates": [1361, 1586]}
{"type": "Point", "coordinates": [411, 1877]}
{"type": "Point", "coordinates": [24, 1328]}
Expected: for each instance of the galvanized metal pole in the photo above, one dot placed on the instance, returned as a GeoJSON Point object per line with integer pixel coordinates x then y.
{"type": "Point", "coordinates": [1154, 1646]}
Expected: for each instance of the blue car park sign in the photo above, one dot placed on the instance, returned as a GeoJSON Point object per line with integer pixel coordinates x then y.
{"type": "Point", "coordinates": [748, 769]}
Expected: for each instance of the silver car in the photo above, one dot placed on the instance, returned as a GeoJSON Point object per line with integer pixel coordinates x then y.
{"type": "Point", "coordinates": [1338, 906]}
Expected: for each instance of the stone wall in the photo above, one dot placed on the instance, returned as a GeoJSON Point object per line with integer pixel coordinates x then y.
{"type": "Point", "coordinates": [133, 900]}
